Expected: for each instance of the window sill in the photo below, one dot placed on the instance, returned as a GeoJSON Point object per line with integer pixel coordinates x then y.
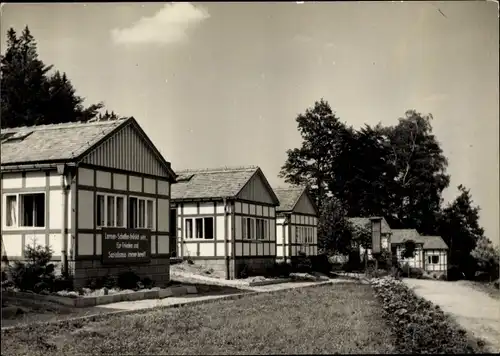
{"type": "Point", "coordinates": [197, 240]}
{"type": "Point", "coordinates": [22, 228]}
{"type": "Point", "coordinates": [123, 227]}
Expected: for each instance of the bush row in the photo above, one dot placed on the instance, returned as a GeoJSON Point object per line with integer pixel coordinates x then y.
{"type": "Point", "coordinates": [419, 326]}
{"type": "Point", "coordinates": [37, 274]}
{"type": "Point", "coordinates": [124, 280]}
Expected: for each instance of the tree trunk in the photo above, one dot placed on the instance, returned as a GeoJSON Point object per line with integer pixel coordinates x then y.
{"type": "Point", "coordinates": [366, 260]}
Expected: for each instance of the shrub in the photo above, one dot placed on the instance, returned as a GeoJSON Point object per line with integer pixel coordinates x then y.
{"type": "Point", "coordinates": [302, 263]}
{"type": "Point", "coordinates": [385, 260]}
{"type": "Point", "coordinates": [320, 263]}
{"type": "Point", "coordinates": [108, 281]}
{"type": "Point", "coordinates": [243, 272]}
{"type": "Point", "coordinates": [377, 273]}
{"type": "Point", "coordinates": [411, 272]}
{"type": "Point", "coordinates": [419, 326]}
{"type": "Point", "coordinates": [454, 273]}
{"type": "Point", "coordinates": [148, 282]}
{"type": "Point", "coordinates": [128, 280]}
{"type": "Point", "coordinates": [37, 274]}
{"type": "Point", "coordinates": [279, 269]}
{"type": "Point", "coordinates": [63, 282]}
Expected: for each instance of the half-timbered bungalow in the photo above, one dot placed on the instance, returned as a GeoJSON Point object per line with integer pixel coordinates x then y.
{"type": "Point", "coordinates": [226, 219]}
{"type": "Point", "coordinates": [431, 252]}
{"type": "Point", "coordinates": [296, 223]}
{"type": "Point", "coordinates": [66, 185]}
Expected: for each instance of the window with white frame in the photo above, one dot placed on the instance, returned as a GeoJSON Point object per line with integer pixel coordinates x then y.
{"type": "Point", "coordinates": [250, 227]}
{"type": "Point", "coordinates": [110, 210]}
{"type": "Point", "coordinates": [261, 229]}
{"type": "Point", "coordinates": [199, 228]}
{"type": "Point", "coordinates": [434, 259]}
{"type": "Point", "coordinates": [311, 235]}
{"type": "Point", "coordinates": [244, 231]}
{"type": "Point", "coordinates": [141, 213]}
{"type": "Point", "coordinates": [25, 210]}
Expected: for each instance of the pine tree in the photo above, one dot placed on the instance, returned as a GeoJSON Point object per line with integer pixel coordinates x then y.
{"type": "Point", "coordinates": [29, 95]}
{"type": "Point", "coordinates": [23, 93]}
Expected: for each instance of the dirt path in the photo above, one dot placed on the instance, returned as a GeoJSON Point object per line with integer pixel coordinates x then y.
{"type": "Point", "coordinates": [474, 310]}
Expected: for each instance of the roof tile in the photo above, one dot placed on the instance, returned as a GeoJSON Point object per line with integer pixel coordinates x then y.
{"type": "Point", "coordinates": [53, 142]}
{"type": "Point", "coordinates": [288, 197]}
{"type": "Point", "coordinates": [211, 183]}
{"type": "Point", "coordinates": [429, 242]}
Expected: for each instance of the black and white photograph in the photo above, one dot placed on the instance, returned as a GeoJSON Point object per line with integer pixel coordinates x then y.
{"type": "Point", "coordinates": [221, 178]}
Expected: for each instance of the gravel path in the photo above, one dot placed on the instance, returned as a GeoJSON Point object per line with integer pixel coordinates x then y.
{"type": "Point", "coordinates": [474, 310]}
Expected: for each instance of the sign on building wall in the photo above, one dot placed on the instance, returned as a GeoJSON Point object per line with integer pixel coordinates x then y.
{"type": "Point", "coordinates": [376, 235]}
{"type": "Point", "coordinates": [124, 246]}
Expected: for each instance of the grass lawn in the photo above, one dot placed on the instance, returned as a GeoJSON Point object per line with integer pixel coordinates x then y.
{"type": "Point", "coordinates": [342, 318]}
{"type": "Point", "coordinates": [488, 288]}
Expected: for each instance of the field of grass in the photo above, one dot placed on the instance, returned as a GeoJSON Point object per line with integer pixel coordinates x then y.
{"type": "Point", "coordinates": [343, 318]}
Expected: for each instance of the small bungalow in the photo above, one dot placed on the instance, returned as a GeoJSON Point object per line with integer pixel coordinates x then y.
{"type": "Point", "coordinates": [98, 194]}
{"type": "Point", "coordinates": [226, 218]}
{"type": "Point", "coordinates": [296, 223]}
{"type": "Point", "coordinates": [373, 223]}
{"type": "Point", "coordinates": [431, 253]}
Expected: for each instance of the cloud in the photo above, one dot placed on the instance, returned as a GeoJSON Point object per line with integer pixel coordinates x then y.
{"type": "Point", "coordinates": [169, 25]}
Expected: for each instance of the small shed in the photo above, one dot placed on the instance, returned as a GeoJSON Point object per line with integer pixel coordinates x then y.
{"type": "Point", "coordinates": [296, 223]}
{"type": "Point", "coordinates": [431, 253]}
{"type": "Point", "coordinates": [226, 219]}
{"type": "Point", "coordinates": [97, 193]}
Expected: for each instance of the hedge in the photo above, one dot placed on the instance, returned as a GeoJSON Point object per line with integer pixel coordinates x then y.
{"type": "Point", "coordinates": [419, 326]}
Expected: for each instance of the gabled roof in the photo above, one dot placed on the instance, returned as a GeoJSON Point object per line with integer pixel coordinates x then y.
{"type": "Point", "coordinates": [290, 196]}
{"type": "Point", "coordinates": [364, 221]}
{"type": "Point", "coordinates": [216, 183]}
{"type": "Point", "coordinates": [57, 143]}
{"type": "Point", "coordinates": [434, 243]}
{"type": "Point", "coordinates": [399, 236]}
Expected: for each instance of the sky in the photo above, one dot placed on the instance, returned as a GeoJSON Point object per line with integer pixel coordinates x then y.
{"type": "Point", "coordinates": [220, 84]}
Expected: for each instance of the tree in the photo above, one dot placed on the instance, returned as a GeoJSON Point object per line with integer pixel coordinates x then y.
{"type": "Point", "coordinates": [487, 257]}
{"type": "Point", "coordinates": [419, 173]}
{"type": "Point", "coordinates": [107, 116]}
{"type": "Point", "coordinates": [409, 248]}
{"type": "Point", "coordinates": [459, 227]}
{"type": "Point", "coordinates": [23, 81]}
{"type": "Point", "coordinates": [362, 174]}
{"type": "Point", "coordinates": [29, 95]}
{"type": "Point", "coordinates": [323, 137]}
{"type": "Point", "coordinates": [361, 237]}
{"type": "Point", "coordinates": [334, 232]}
